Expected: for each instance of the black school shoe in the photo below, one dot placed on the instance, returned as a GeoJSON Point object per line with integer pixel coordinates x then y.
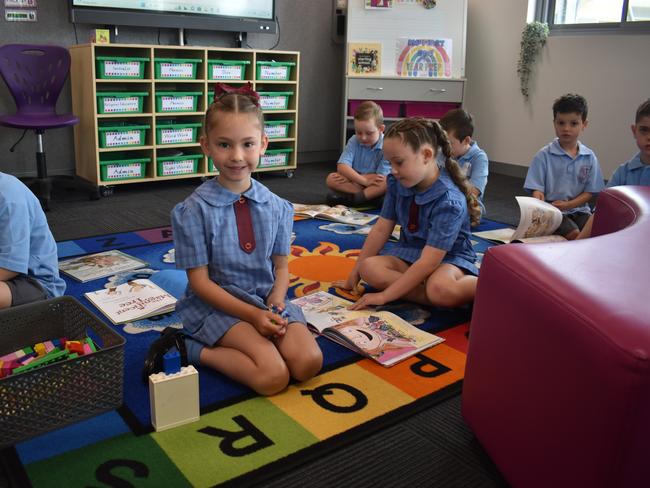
{"type": "Point", "coordinates": [335, 198]}
{"type": "Point", "coordinates": [170, 338]}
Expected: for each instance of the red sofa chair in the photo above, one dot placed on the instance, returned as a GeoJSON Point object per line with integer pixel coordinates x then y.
{"type": "Point", "coordinates": [557, 383]}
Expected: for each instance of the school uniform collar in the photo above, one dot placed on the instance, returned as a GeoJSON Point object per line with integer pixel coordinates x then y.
{"type": "Point", "coordinates": [379, 145]}
{"type": "Point", "coordinates": [636, 163]}
{"type": "Point", "coordinates": [556, 149]}
{"type": "Point", "coordinates": [435, 191]}
{"type": "Point", "coordinates": [471, 152]}
{"type": "Point", "coordinates": [213, 193]}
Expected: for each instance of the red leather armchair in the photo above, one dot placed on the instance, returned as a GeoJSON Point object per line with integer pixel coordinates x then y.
{"type": "Point", "coordinates": [557, 384]}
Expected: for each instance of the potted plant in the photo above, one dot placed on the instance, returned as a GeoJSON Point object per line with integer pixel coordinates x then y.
{"type": "Point", "coordinates": [533, 38]}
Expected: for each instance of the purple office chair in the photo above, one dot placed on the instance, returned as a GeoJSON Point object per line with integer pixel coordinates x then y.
{"type": "Point", "coordinates": [35, 75]}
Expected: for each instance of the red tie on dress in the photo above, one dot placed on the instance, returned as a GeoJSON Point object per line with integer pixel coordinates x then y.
{"type": "Point", "coordinates": [413, 217]}
{"type": "Point", "coordinates": [244, 225]}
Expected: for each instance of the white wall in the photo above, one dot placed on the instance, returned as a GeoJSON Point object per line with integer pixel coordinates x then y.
{"type": "Point", "coordinates": [611, 71]}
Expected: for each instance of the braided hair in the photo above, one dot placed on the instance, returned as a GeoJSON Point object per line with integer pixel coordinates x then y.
{"type": "Point", "coordinates": [417, 131]}
{"type": "Point", "coordinates": [233, 100]}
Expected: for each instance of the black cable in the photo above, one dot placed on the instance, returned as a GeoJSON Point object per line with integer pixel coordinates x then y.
{"type": "Point", "coordinates": [76, 39]}
{"type": "Point", "coordinates": [159, 36]}
{"type": "Point", "coordinates": [277, 22]}
{"type": "Point", "coordinates": [12, 148]}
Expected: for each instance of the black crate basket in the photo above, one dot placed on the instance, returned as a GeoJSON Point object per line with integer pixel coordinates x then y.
{"type": "Point", "coordinates": [64, 392]}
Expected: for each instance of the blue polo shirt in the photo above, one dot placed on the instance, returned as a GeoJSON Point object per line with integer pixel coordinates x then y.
{"type": "Point", "coordinates": [365, 159]}
{"type": "Point", "coordinates": [632, 172]}
{"type": "Point", "coordinates": [443, 222]}
{"type": "Point", "coordinates": [205, 234]}
{"type": "Point", "coordinates": [475, 164]}
{"type": "Point", "coordinates": [562, 177]}
{"type": "Point", "coordinates": [26, 243]}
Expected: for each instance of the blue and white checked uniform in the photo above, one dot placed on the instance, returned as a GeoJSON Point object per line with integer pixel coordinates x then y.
{"type": "Point", "coordinates": [26, 243]}
{"type": "Point", "coordinates": [365, 160]}
{"type": "Point", "coordinates": [562, 177]}
{"type": "Point", "coordinates": [205, 234]}
{"type": "Point", "coordinates": [443, 222]}
{"type": "Point", "coordinates": [632, 172]}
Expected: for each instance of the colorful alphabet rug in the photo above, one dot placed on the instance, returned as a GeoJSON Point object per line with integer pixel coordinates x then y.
{"type": "Point", "coordinates": [240, 436]}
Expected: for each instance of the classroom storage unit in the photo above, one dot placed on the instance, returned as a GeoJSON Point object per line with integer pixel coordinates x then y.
{"type": "Point", "coordinates": [141, 108]}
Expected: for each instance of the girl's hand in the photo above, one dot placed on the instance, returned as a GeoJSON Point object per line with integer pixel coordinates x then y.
{"type": "Point", "coordinates": [367, 300]}
{"type": "Point", "coordinates": [269, 323]}
{"type": "Point", "coordinates": [349, 284]}
{"type": "Point", "coordinates": [561, 204]}
{"type": "Point", "coordinates": [538, 194]}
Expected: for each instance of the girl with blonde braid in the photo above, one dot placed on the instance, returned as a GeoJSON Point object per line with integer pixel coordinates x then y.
{"type": "Point", "coordinates": [434, 262]}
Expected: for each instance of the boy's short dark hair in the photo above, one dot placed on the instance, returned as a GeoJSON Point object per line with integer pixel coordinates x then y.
{"type": "Point", "coordinates": [571, 103]}
{"type": "Point", "coordinates": [459, 122]}
{"type": "Point", "coordinates": [642, 111]}
{"type": "Point", "coordinates": [369, 110]}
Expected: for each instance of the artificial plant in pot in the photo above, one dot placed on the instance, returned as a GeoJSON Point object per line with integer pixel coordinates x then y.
{"type": "Point", "coordinates": [533, 38]}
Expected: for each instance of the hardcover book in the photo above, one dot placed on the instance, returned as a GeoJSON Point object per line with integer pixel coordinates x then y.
{"type": "Point", "coordinates": [100, 265]}
{"type": "Point", "coordinates": [338, 213]}
{"type": "Point", "coordinates": [378, 335]}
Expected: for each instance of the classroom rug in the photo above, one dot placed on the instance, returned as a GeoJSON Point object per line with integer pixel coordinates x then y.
{"type": "Point", "coordinates": [241, 437]}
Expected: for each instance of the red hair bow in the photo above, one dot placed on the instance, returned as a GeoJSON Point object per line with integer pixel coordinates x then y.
{"type": "Point", "coordinates": [221, 90]}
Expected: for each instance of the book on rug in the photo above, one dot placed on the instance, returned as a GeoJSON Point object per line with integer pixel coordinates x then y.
{"type": "Point", "coordinates": [100, 265]}
{"type": "Point", "coordinates": [537, 222]}
{"type": "Point", "coordinates": [338, 213]}
{"type": "Point", "coordinates": [131, 301]}
{"type": "Point", "coordinates": [379, 335]}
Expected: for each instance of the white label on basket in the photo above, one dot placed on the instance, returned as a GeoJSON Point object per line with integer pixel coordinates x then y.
{"type": "Point", "coordinates": [173, 136]}
{"type": "Point", "coordinates": [273, 72]}
{"type": "Point", "coordinates": [274, 159]}
{"type": "Point", "coordinates": [122, 68]}
{"type": "Point", "coordinates": [172, 104]}
{"type": "Point", "coordinates": [226, 72]}
{"type": "Point", "coordinates": [123, 138]}
{"type": "Point", "coordinates": [178, 167]}
{"type": "Point", "coordinates": [177, 70]}
{"type": "Point", "coordinates": [269, 103]}
{"type": "Point", "coordinates": [118, 171]}
{"type": "Point", "coordinates": [116, 105]}
{"type": "Point", "coordinates": [275, 131]}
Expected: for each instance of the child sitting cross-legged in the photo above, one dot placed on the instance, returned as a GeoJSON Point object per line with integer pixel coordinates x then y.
{"type": "Point", "coordinates": [233, 236]}
{"type": "Point", "coordinates": [434, 261]}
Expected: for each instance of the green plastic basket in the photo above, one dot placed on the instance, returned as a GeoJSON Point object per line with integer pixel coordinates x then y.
{"type": "Point", "coordinates": [120, 102]}
{"type": "Point", "coordinates": [226, 69]}
{"type": "Point", "coordinates": [122, 134]}
{"type": "Point", "coordinates": [121, 166]}
{"type": "Point", "coordinates": [277, 129]}
{"type": "Point", "coordinates": [274, 100]}
{"type": "Point", "coordinates": [174, 101]}
{"type": "Point", "coordinates": [175, 68]}
{"type": "Point", "coordinates": [183, 164]}
{"type": "Point", "coordinates": [274, 70]}
{"type": "Point", "coordinates": [172, 132]}
{"type": "Point", "coordinates": [120, 68]}
{"type": "Point", "coordinates": [275, 157]}
{"type": "Point", "coordinates": [211, 168]}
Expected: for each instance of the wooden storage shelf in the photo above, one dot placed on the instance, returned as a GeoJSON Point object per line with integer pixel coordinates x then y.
{"type": "Point", "coordinates": [87, 81]}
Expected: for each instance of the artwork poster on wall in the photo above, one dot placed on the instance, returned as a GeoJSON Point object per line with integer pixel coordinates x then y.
{"type": "Point", "coordinates": [429, 58]}
{"type": "Point", "coordinates": [364, 58]}
{"type": "Point", "coordinates": [378, 4]}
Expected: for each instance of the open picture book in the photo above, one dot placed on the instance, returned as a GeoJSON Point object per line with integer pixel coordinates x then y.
{"type": "Point", "coordinates": [382, 336]}
{"type": "Point", "coordinates": [131, 301]}
{"type": "Point", "coordinates": [100, 265]}
{"type": "Point", "coordinates": [338, 213]}
{"type": "Point", "coordinates": [537, 222]}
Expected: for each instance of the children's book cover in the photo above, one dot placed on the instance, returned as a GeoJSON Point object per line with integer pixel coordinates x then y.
{"type": "Point", "coordinates": [364, 58]}
{"type": "Point", "coordinates": [134, 300]}
{"type": "Point", "coordinates": [100, 265]}
{"type": "Point", "coordinates": [429, 58]}
{"type": "Point", "coordinates": [378, 335]}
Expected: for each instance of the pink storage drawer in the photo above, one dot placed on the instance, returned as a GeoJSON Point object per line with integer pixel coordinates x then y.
{"type": "Point", "coordinates": [433, 110]}
{"type": "Point", "coordinates": [389, 107]}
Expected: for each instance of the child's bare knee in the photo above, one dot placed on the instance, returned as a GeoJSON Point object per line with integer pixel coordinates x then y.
{"type": "Point", "coordinates": [308, 366]}
{"type": "Point", "coordinates": [271, 379]}
{"type": "Point", "coordinates": [441, 296]}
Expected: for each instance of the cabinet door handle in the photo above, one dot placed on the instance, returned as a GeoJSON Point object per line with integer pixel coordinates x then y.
{"type": "Point", "coordinates": [376, 88]}
{"type": "Point", "coordinates": [438, 90]}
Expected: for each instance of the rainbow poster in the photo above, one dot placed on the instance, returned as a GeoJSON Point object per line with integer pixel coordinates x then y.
{"type": "Point", "coordinates": [430, 58]}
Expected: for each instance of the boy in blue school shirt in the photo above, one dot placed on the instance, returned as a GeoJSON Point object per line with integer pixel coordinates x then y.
{"type": "Point", "coordinates": [361, 171]}
{"type": "Point", "coordinates": [29, 269]}
{"type": "Point", "coordinates": [566, 173]}
{"type": "Point", "coordinates": [636, 171]}
{"type": "Point", "coordinates": [459, 126]}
